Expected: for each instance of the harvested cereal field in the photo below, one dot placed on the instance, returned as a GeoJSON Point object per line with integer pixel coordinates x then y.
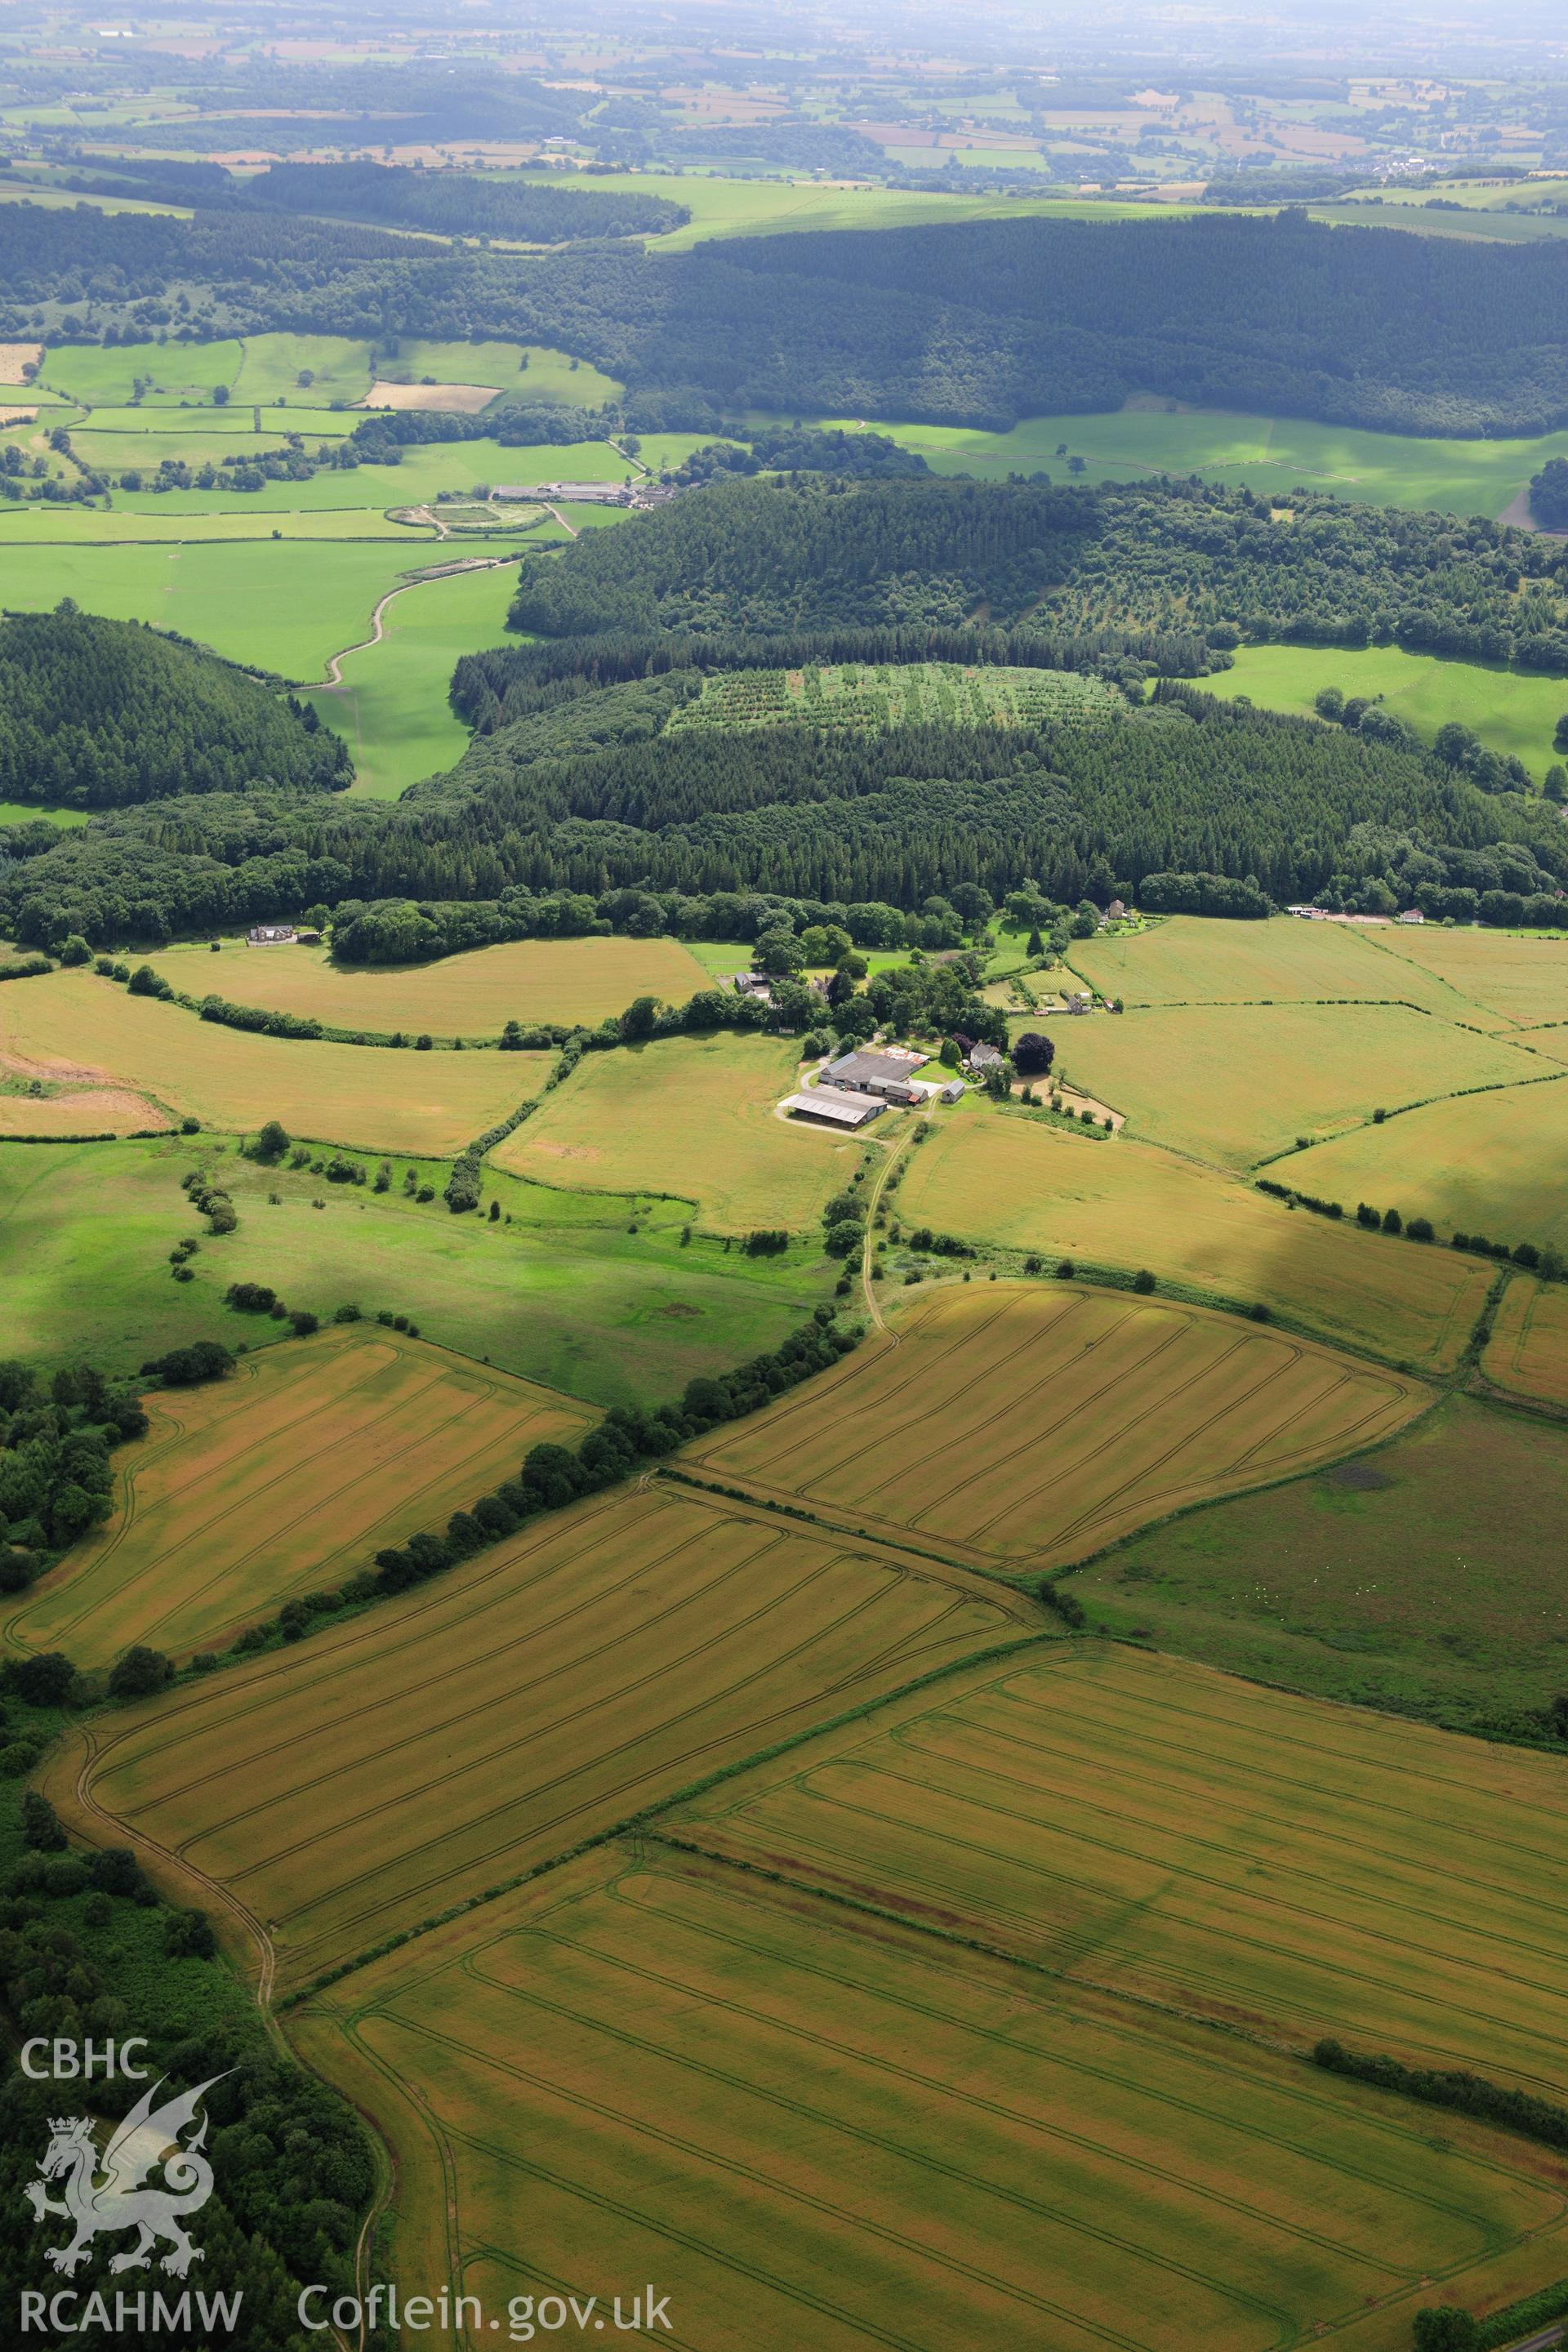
{"type": "Point", "coordinates": [1489, 1164]}
{"type": "Point", "coordinates": [1149, 1828]}
{"type": "Point", "coordinates": [1013, 1181]}
{"type": "Point", "coordinates": [1520, 977]}
{"type": "Point", "coordinates": [469, 996]}
{"type": "Point", "coordinates": [1051, 1420]}
{"type": "Point", "coordinates": [769, 2104]}
{"type": "Point", "coordinates": [1199, 959]}
{"type": "Point", "coordinates": [442, 1743]}
{"type": "Point", "coordinates": [1527, 1354]}
{"type": "Point", "coordinates": [689, 1117]}
{"type": "Point", "coordinates": [433, 1102]}
{"type": "Point", "coordinates": [1237, 1084]}
{"type": "Point", "coordinates": [280, 1481]}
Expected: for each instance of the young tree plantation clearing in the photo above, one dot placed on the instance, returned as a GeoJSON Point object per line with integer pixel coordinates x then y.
{"type": "Point", "coordinates": [1152, 1828]}
{"type": "Point", "coordinates": [470, 996]}
{"type": "Point", "coordinates": [858, 2133]}
{"type": "Point", "coordinates": [444, 1742]}
{"type": "Point", "coordinates": [1489, 1164]}
{"type": "Point", "coordinates": [380, 1099]}
{"type": "Point", "coordinates": [1527, 1354]}
{"type": "Point", "coordinates": [1424, 1579]}
{"type": "Point", "coordinates": [688, 1116]}
{"type": "Point", "coordinates": [1237, 1084]}
{"type": "Point", "coordinates": [1059, 1419]}
{"type": "Point", "coordinates": [1011, 1180]}
{"type": "Point", "coordinates": [284, 1480]}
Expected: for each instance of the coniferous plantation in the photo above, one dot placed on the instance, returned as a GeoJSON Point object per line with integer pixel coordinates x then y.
{"type": "Point", "coordinates": [784, 1271]}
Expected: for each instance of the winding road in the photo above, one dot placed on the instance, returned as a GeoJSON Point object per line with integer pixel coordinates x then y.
{"type": "Point", "coordinates": [333, 680]}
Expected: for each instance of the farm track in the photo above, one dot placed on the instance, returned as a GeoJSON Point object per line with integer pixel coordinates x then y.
{"type": "Point", "coordinates": [333, 681]}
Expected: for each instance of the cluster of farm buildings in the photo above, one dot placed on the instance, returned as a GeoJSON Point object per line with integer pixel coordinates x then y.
{"type": "Point", "coordinates": [859, 1086]}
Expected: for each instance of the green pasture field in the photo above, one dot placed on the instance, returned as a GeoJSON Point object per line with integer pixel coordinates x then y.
{"type": "Point", "coordinates": [1198, 959]}
{"type": "Point", "coordinates": [1489, 1163]}
{"type": "Point", "coordinates": [764, 207]}
{"type": "Point", "coordinates": [160, 428]}
{"type": "Point", "coordinates": [112, 453]}
{"type": "Point", "coordinates": [99, 376]}
{"type": "Point", "coordinates": [565, 1294]}
{"type": "Point", "coordinates": [1511, 710]}
{"type": "Point", "coordinates": [550, 376]}
{"type": "Point", "coordinates": [693, 1117]}
{"type": "Point", "coordinates": [23, 813]}
{"type": "Point", "coordinates": [1237, 1084]}
{"type": "Point", "coordinates": [284, 605]}
{"type": "Point", "coordinates": [1265, 453]}
{"type": "Point", "coordinates": [425, 469]}
{"type": "Point", "coordinates": [1495, 228]}
{"type": "Point", "coordinates": [58, 199]}
{"type": "Point", "coordinates": [272, 365]}
{"type": "Point", "coordinates": [167, 519]}
{"type": "Point", "coordinates": [391, 708]}
{"type": "Point", "coordinates": [1425, 1576]}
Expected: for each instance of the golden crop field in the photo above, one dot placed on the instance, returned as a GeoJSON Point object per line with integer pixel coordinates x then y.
{"type": "Point", "coordinates": [1490, 1163]}
{"type": "Point", "coordinates": [1237, 1083]}
{"type": "Point", "coordinates": [693, 1117]}
{"type": "Point", "coordinates": [1149, 1828]}
{"type": "Point", "coordinates": [1199, 959]}
{"type": "Point", "coordinates": [473, 995]}
{"type": "Point", "coordinates": [808, 2129]}
{"type": "Point", "coordinates": [411, 1757]}
{"type": "Point", "coordinates": [1520, 977]}
{"type": "Point", "coordinates": [1056, 1420]}
{"type": "Point", "coordinates": [1013, 1181]}
{"type": "Point", "coordinates": [81, 1110]}
{"type": "Point", "coordinates": [229, 1078]}
{"type": "Point", "coordinates": [283, 1480]}
{"type": "Point", "coordinates": [1528, 1351]}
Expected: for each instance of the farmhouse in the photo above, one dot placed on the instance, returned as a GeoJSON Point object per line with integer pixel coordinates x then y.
{"type": "Point", "coordinates": [838, 1108]}
{"type": "Point", "coordinates": [887, 1073]}
{"type": "Point", "coordinates": [753, 984]}
{"type": "Point", "coordinates": [269, 935]}
{"type": "Point", "coordinates": [1413, 915]}
{"type": "Point", "coordinates": [985, 1058]}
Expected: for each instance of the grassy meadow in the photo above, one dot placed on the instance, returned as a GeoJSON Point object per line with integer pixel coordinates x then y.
{"type": "Point", "coordinates": [1261, 453]}
{"type": "Point", "coordinates": [775, 2099]}
{"type": "Point", "coordinates": [283, 1480]}
{"type": "Point", "coordinates": [1512, 712]}
{"type": "Point", "coordinates": [392, 709]}
{"type": "Point", "coordinates": [1063, 1417]}
{"type": "Point", "coordinates": [389, 1768]}
{"type": "Point", "coordinates": [470, 996]}
{"type": "Point", "coordinates": [431, 1102]}
{"type": "Point", "coordinates": [1237, 1084]}
{"type": "Point", "coordinates": [1423, 1577]}
{"type": "Point", "coordinates": [596, 1295]}
{"type": "Point", "coordinates": [691, 1116]}
{"type": "Point", "coordinates": [1016, 1182]}
{"type": "Point", "coordinates": [1488, 1163]}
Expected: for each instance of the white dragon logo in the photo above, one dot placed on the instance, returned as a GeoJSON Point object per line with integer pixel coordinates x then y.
{"type": "Point", "coordinates": [148, 2137]}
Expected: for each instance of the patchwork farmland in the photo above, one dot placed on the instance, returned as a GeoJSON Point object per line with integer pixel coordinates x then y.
{"type": "Point", "coordinates": [1064, 1418]}
{"type": "Point", "coordinates": [280, 1483]}
{"type": "Point", "coordinates": [451, 1740]}
{"type": "Point", "coordinates": [1485, 1163]}
{"type": "Point", "coordinates": [854, 2132]}
{"type": "Point", "coordinates": [1011, 1182]}
{"type": "Point", "coordinates": [229, 1079]}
